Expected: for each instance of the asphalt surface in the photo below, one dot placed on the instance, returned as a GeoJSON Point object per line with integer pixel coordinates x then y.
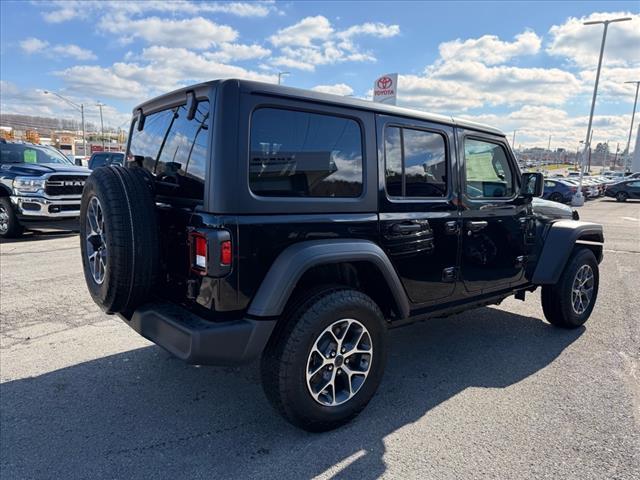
{"type": "Point", "coordinates": [491, 393]}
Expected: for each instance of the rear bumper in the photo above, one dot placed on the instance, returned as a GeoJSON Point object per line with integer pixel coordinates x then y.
{"type": "Point", "coordinates": [197, 341]}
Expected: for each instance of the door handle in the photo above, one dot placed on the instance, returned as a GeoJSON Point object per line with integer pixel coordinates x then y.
{"type": "Point", "coordinates": [476, 226]}
{"type": "Point", "coordinates": [405, 228]}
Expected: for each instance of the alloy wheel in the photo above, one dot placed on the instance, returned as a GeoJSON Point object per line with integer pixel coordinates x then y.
{"type": "Point", "coordinates": [96, 241]}
{"type": "Point", "coordinates": [4, 219]}
{"type": "Point", "coordinates": [339, 362]}
{"type": "Point", "coordinates": [582, 289]}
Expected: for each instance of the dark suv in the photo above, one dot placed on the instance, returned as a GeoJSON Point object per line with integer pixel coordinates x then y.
{"type": "Point", "coordinates": [255, 220]}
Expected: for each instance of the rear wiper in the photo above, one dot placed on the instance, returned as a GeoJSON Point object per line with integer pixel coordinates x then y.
{"type": "Point", "coordinates": [201, 127]}
{"type": "Point", "coordinates": [164, 139]}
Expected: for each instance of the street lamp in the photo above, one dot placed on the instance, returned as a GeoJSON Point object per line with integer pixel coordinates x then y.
{"type": "Point", "coordinates": [100, 105]}
{"type": "Point", "coordinates": [633, 114]}
{"type": "Point", "coordinates": [578, 198]}
{"type": "Point", "coordinates": [77, 107]}
{"type": "Point", "coordinates": [282, 74]}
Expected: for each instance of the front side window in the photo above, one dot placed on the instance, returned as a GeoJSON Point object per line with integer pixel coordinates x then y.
{"type": "Point", "coordinates": [174, 149]}
{"type": "Point", "coordinates": [487, 169]}
{"type": "Point", "coordinates": [415, 163]}
{"type": "Point", "coordinates": [302, 154]}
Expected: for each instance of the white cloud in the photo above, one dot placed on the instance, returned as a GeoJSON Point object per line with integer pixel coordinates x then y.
{"type": "Point", "coordinates": [489, 49]}
{"type": "Point", "coordinates": [156, 70]}
{"type": "Point", "coordinates": [313, 41]}
{"type": "Point", "coordinates": [336, 89]}
{"type": "Point", "coordinates": [534, 125]}
{"type": "Point", "coordinates": [580, 43]}
{"type": "Point", "coordinates": [237, 52]}
{"type": "Point", "coordinates": [303, 33]}
{"type": "Point", "coordinates": [100, 82]}
{"type": "Point", "coordinates": [33, 45]}
{"type": "Point", "coordinates": [36, 103]}
{"type": "Point", "coordinates": [65, 10]}
{"type": "Point", "coordinates": [36, 46]}
{"type": "Point", "coordinates": [197, 33]}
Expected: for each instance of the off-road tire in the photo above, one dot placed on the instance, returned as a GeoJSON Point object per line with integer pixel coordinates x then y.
{"type": "Point", "coordinates": [621, 196]}
{"type": "Point", "coordinates": [131, 237]}
{"type": "Point", "coordinates": [556, 299]}
{"type": "Point", "coordinates": [285, 358]}
{"type": "Point", "coordinates": [14, 229]}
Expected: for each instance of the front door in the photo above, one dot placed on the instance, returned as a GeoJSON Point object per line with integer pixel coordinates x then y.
{"type": "Point", "coordinates": [418, 215]}
{"type": "Point", "coordinates": [494, 219]}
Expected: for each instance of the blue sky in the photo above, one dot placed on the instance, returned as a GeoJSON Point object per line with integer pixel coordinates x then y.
{"type": "Point", "coordinates": [521, 66]}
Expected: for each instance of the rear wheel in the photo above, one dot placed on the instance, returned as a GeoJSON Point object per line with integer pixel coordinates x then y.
{"type": "Point", "coordinates": [569, 303]}
{"type": "Point", "coordinates": [9, 225]}
{"type": "Point", "coordinates": [556, 197]}
{"type": "Point", "coordinates": [622, 196]}
{"type": "Point", "coordinates": [325, 362]}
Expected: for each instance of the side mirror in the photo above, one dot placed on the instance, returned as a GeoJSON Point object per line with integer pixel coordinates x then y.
{"type": "Point", "coordinates": [532, 185]}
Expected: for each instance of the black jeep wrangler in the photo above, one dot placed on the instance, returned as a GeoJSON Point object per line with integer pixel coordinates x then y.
{"type": "Point", "coordinates": [255, 220]}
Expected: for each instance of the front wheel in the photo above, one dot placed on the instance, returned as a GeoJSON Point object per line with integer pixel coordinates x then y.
{"type": "Point", "coordinates": [323, 365]}
{"type": "Point", "coordinates": [556, 197]}
{"type": "Point", "coordinates": [9, 225]}
{"type": "Point", "coordinates": [622, 196]}
{"type": "Point", "coordinates": [569, 303]}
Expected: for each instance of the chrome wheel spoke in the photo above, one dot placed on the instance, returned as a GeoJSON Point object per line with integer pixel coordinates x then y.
{"type": "Point", "coordinates": [339, 362]}
{"type": "Point", "coordinates": [582, 289]}
{"type": "Point", "coordinates": [95, 242]}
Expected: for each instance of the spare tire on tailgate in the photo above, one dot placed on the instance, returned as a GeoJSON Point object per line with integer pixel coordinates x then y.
{"type": "Point", "coordinates": [119, 237]}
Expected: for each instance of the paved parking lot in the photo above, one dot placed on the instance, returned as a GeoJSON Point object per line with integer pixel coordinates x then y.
{"type": "Point", "coordinates": [491, 393]}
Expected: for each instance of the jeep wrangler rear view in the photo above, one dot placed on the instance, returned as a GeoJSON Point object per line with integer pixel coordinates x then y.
{"type": "Point", "coordinates": [259, 221]}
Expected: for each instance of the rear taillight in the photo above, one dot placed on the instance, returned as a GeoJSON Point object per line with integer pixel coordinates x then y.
{"type": "Point", "coordinates": [211, 252]}
{"type": "Point", "coordinates": [225, 253]}
{"type": "Point", "coordinates": [199, 253]}
{"type": "Point", "coordinates": [573, 189]}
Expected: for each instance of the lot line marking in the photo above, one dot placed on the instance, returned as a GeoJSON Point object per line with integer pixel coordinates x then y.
{"type": "Point", "coordinates": [630, 218]}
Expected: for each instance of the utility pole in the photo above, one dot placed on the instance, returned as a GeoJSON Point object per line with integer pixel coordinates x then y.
{"type": "Point", "coordinates": [80, 108]}
{"type": "Point", "coordinates": [627, 162]}
{"type": "Point", "coordinates": [100, 105]}
{"type": "Point", "coordinates": [282, 74]}
{"type": "Point", "coordinates": [578, 198]}
{"type": "Point", "coordinates": [513, 141]}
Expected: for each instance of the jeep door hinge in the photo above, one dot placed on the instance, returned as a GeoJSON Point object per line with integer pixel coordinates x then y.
{"type": "Point", "coordinates": [452, 227]}
{"type": "Point", "coordinates": [450, 274]}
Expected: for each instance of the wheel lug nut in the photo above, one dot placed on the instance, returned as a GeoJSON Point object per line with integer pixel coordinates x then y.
{"type": "Point", "coordinates": [330, 367]}
{"type": "Point", "coordinates": [333, 354]}
{"type": "Point", "coordinates": [343, 350]}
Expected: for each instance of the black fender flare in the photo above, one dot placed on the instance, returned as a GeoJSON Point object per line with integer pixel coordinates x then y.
{"type": "Point", "coordinates": [558, 245]}
{"type": "Point", "coordinates": [277, 286]}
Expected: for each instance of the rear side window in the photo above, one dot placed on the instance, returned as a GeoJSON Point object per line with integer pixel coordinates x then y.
{"type": "Point", "coordinates": [301, 154]}
{"type": "Point", "coordinates": [415, 163]}
{"type": "Point", "coordinates": [174, 149]}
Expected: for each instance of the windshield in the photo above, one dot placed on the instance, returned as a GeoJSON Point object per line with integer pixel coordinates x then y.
{"type": "Point", "coordinates": [22, 153]}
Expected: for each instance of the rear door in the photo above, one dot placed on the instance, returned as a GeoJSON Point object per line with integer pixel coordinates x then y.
{"type": "Point", "coordinates": [634, 189]}
{"type": "Point", "coordinates": [418, 214]}
{"type": "Point", "coordinates": [494, 219]}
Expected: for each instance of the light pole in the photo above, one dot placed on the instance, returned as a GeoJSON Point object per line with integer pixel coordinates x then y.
{"type": "Point", "coordinates": [578, 198]}
{"type": "Point", "coordinates": [77, 107]}
{"type": "Point", "coordinates": [100, 105]}
{"type": "Point", "coordinates": [282, 74]}
{"type": "Point", "coordinates": [625, 154]}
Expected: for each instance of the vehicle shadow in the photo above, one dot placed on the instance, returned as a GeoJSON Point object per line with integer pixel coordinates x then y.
{"type": "Point", "coordinates": [142, 413]}
{"type": "Point", "coordinates": [37, 235]}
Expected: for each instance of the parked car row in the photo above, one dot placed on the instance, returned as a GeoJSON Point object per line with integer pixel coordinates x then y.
{"type": "Point", "coordinates": [562, 189]}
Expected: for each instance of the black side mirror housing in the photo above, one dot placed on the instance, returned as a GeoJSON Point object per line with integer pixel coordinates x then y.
{"type": "Point", "coordinates": [531, 185]}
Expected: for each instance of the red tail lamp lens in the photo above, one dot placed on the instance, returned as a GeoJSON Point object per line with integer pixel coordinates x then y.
{"type": "Point", "coordinates": [225, 252]}
{"type": "Point", "coordinates": [200, 251]}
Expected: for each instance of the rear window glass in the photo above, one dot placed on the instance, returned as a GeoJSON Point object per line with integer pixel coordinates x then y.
{"type": "Point", "coordinates": [302, 154]}
{"type": "Point", "coordinates": [174, 149]}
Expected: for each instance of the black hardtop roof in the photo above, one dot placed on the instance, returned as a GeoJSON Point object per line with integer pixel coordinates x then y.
{"type": "Point", "coordinates": [302, 94]}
